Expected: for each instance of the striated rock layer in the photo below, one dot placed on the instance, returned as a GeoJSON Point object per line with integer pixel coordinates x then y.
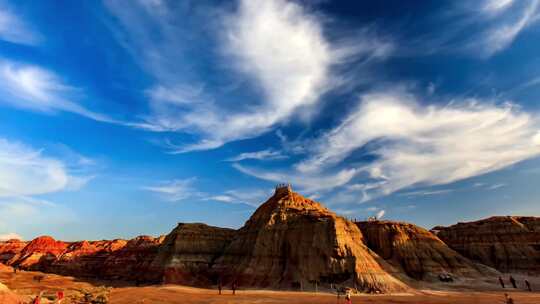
{"type": "Point", "coordinates": [116, 259]}
{"type": "Point", "coordinates": [419, 253]}
{"type": "Point", "coordinates": [189, 252]}
{"type": "Point", "coordinates": [8, 249]}
{"type": "Point", "coordinates": [506, 243]}
{"type": "Point", "coordinates": [291, 241]}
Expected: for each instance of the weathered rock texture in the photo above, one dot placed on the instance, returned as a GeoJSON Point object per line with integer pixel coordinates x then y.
{"type": "Point", "coordinates": [506, 243]}
{"type": "Point", "coordinates": [116, 259]}
{"type": "Point", "coordinates": [418, 252]}
{"type": "Point", "coordinates": [10, 248]}
{"type": "Point", "coordinates": [291, 241]}
{"type": "Point", "coordinates": [189, 252]}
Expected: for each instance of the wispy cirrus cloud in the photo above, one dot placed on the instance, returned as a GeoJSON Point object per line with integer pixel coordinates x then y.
{"type": "Point", "coordinates": [14, 29]}
{"type": "Point", "coordinates": [414, 145]}
{"type": "Point", "coordinates": [25, 171]}
{"type": "Point", "coordinates": [176, 190]}
{"type": "Point", "coordinates": [276, 48]}
{"type": "Point", "coordinates": [34, 88]}
{"type": "Point", "coordinates": [267, 154]}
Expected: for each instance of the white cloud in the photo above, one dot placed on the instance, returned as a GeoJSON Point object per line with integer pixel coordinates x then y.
{"type": "Point", "coordinates": [34, 88]}
{"type": "Point", "coordinates": [277, 46]}
{"type": "Point", "coordinates": [176, 190]}
{"type": "Point", "coordinates": [307, 183]}
{"type": "Point", "coordinates": [13, 29]}
{"type": "Point", "coordinates": [10, 236]}
{"type": "Point", "coordinates": [428, 145]}
{"type": "Point", "coordinates": [503, 33]}
{"type": "Point", "coordinates": [496, 6]}
{"type": "Point", "coordinates": [380, 214]}
{"type": "Point", "coordinates": [260, 155]}
{"type": "Point", "coordinates": [25, 171]}
{"type": "Point", "coordinates": [496, 186]}
{"type": "Point", "coordinates": [413, 145]}
{"type": "Point", "coordinates": [427, 192]}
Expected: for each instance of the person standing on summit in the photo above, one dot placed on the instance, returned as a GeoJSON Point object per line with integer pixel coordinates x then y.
{"type": "Point", "coordinates": [501, 281]}
{"type": "Point", "coordinates": [513, 282]}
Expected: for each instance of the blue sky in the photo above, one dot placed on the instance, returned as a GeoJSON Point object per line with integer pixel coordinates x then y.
{"type": "Point", "coordinates": [118, 120]}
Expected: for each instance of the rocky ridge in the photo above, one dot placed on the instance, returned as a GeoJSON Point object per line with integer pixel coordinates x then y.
{"type": "Point", "coordinates": [506, 243]}
{"type": "Point", "coordinates": [291, 242]}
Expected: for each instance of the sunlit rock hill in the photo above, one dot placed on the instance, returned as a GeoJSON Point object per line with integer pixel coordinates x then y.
{"type": "Point", "coordinates": [291, 242]}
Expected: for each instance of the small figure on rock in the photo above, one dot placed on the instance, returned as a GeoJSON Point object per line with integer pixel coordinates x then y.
{"type": "Point", "coordinates": [501, 281]}
{"type": "Point", "coordinates": [513, 282]}
{"type": "Point", "coordinates": [234, 287]}
{"type": "Point", "coordinates": [219, 286]}
{"type": "Point", "coordinates": [528, 285]}
{"type": "Point", "coordinates": [348, 297]}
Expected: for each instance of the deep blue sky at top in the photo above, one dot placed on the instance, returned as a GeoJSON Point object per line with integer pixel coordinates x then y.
{"type": "Point", "coordinates": [119, 119]}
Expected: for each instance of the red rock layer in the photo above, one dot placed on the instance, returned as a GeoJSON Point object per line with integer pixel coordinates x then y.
{"type": "Point", "coordinates": [10, 248]}
{"type": "Point", "coordinates": [116, 259]}
{"type": "Point", "coordinates": [507, 243]}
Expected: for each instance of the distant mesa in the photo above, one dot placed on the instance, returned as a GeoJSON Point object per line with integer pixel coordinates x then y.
{"type": "Point", "coordinates": [292, 242]}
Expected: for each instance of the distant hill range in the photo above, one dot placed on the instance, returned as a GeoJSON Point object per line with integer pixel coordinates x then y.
{"type": "Point", "coordinates": [292, 242]}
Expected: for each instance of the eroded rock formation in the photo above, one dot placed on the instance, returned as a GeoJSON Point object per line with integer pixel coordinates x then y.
{"type": "Point", "coordinates": [10, 248]}
{"type": "Point", "coordinates": [506, 243]}
{"type": "Point", "coordinates": [418, 252]}
{"type": "Point", "coordinates": [291, 241]}
{"type": "Point", "coordinates": [189, 252]}
{"type": "Point", "coordinates": [116, 259]}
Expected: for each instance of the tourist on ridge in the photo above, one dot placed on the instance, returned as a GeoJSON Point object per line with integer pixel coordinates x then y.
{"type": "Point", "coordinates": [508, 299]}
{"type": "Point", "coordinates": [234, 286]}
{"type": "Point", "coordinates": [528, 285]}
{"type": "Point", "coordinates": [348, 297]}
{"type": "Point", "coordinates": [513, 281]}
{"type": "Point", "coordinates": [501, 281]}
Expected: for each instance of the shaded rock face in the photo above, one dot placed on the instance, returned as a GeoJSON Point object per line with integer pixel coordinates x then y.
{"type": "Point", "coordinates": [10, 248]}
{"type": "Point", "coordinates": [419, 253]}
{"type": "Point", "coordinates": [188, 253]}
{"type": "Point", "coordinates": [291, 241]}
{"type": "Point", "coordinates": [506, 243]}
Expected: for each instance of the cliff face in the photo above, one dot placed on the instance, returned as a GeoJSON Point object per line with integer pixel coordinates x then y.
{"type": "Point", "coordinates": [418, 252]}
{"type": "Point", "coordinates": [506, 243]}
{"type": "Point", "coordinates": [292, 242]}
{"type": "Point", "coordinates": [189, 252]}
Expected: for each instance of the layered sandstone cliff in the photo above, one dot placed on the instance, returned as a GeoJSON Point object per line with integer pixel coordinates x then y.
{"type": "Point", "coordinates": [507, 243]}
{"type": "Point", "coordinates": [418, 252]}
{"type": "Point", "coordinates": [189, 252]}
{"type": "Point", "coordinates": [291, 241]}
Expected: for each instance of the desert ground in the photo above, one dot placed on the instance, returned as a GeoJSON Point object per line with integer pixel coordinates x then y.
{"type": "Point", "coordinates": [25, 283]}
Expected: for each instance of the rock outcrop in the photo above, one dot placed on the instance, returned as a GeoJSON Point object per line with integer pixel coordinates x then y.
{"type": "Point", "coordinates": [293, 242]}
{"type": "Point", "coordinates": [189, 252]}
{"type": "Point", "coordinates": [506, 243]}
{"type": "Point", "coordinates": [9, 297]}
{"type": "Point", "coordinates": [419, 253]}
{"type": "Point", "coordinates": [10, 248]}
{"type": "Point", "coordinates": [39, 253]}
{"type": "Point", "coordinates": [116, 259]}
